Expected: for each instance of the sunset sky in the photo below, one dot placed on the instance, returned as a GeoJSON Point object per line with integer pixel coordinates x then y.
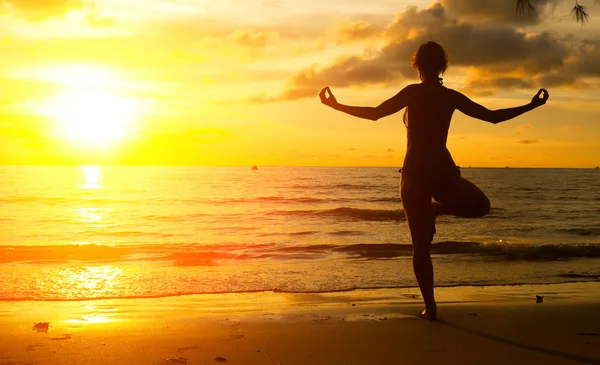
{"type": "Point", "coordinates": [235, 82]}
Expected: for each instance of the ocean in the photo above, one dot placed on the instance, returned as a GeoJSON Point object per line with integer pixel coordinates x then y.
{"type": "Point", "coordinates": [92, 232]}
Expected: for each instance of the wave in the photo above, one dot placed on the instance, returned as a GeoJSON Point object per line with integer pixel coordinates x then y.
{"type": "Point", "coordinates": [594, 231]}
{"type": "Point", "coordinates": [347, 213]}
{"type": "Point", "coordinates": [270, 199]}
{"type": "Point", "coordinates": [172, 294]}
{"type": "Point", "coordinates": [28, 199]}
{"type": "Point", "coordinates": [572, 275]}
{"type": "Point", "coordinates": [206, 255]}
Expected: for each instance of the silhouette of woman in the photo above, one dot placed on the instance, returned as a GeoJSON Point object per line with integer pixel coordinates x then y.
{"type": "Point", "coordinates": [429, 170]}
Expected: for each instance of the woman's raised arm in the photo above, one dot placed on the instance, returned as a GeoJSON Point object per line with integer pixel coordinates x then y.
{"type": "Point", "coordinates": [472, 109]}
{"type": "Point", "coordinates": [388, 107]}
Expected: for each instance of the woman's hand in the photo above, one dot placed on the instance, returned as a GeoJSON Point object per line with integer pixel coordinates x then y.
{"type": "Point", "coordinates": [329, 101]}
{"type": "Point", "coordinates": [537, 101]}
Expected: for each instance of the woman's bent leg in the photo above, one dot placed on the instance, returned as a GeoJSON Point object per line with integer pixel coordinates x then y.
{"type": "Point", "coordinates": [463, 199]}
{"type": "Point", "coordinates": [419, 214]}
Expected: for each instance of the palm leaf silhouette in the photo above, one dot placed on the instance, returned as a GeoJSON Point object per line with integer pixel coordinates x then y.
{"type": "Point", "coordinates": [579, 12]}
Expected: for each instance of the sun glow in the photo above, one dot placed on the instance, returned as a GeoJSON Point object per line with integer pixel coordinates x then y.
{"type": "Point", "coordinates": [93, 117]}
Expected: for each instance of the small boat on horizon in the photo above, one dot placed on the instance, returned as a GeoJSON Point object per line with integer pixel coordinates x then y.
{"type": "Point", "coordinates": [254, 168]}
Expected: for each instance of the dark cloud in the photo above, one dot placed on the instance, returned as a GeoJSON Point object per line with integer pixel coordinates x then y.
{"type": "Point", "coordinates": [498, 83]}
{"type": "Point", "coordinates": [505, 56]}
{"type": "Point", "coordinates": [41, 9]}
{"type": "Point", "coordinates": [528, 141]}
{"type": "Point", "coordinates": [588, 58]}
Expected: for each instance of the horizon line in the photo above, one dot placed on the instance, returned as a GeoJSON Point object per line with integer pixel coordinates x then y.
{"type": "Point", "coordinates": [271, 165]}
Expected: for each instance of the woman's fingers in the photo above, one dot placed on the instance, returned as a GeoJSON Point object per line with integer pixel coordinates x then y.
{"type": "Point", "coordinates": [322, 95]}
{"type": "Point", "coordinates": [541, 97]}
{"type": "Point", "coordinates": [325, 98]}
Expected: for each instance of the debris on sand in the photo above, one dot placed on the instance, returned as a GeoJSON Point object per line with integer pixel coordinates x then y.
{"type": "Point", "coordinates": [41, 327]}
{"type": "Point", "coordinates": [178, 360]}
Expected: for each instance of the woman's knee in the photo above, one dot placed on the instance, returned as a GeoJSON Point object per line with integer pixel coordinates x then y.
{"type": "Point", "coordinates": [421, 249]}
{"type": "Point", "coordinates": [482, 207]}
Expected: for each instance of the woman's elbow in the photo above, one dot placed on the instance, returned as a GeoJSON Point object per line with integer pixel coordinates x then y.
{"type": "Point", "coordinates": [494, 117]}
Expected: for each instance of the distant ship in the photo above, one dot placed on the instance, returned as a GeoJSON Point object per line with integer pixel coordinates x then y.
{"type": "Point", "coordinates": [597, 167]}
{"type": "Point", "coordinates": [254, 168]}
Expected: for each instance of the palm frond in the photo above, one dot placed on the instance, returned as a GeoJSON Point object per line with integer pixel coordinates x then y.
{"type": "Point", "coordinates": [524, 6]}
{"type": "Point", "coordinates": [579, 12]}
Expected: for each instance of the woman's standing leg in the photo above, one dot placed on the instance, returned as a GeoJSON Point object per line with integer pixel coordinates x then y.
{"type": "Point", "coordinates": [416, 200]}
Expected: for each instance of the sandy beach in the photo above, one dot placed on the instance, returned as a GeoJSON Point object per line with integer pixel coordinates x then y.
{"type": "Point", "coordinates": [487, 325]}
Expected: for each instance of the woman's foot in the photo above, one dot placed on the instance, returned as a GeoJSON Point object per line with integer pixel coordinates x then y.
{"type": "Point", "coordinates": [428, 315]}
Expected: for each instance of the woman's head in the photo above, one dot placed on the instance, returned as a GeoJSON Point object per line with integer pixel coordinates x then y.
{"type": "Point", "coordinates": [430, 60]}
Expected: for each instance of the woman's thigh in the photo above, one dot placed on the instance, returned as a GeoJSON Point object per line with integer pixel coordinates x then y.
{"type": "Point", "coordinates": [416, 200]}
{"type": "Point", "coordinates": [465, 199]}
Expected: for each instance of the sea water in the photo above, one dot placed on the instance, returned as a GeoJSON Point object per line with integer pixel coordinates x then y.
{"type": "Point", "coordinates": [87, 232]}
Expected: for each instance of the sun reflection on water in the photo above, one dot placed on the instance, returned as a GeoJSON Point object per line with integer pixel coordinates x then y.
{"type": "Point", "coordinates": [88, 281]}
{"type": "Point", "coordinates": [89, 215]}
{"type": "Point", "coordinates": [91, 178]}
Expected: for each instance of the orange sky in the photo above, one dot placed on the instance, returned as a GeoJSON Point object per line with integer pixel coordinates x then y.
{"type": "Point", "coordinates": [234, 82]}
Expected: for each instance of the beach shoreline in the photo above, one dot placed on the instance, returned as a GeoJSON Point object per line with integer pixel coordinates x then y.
{"type": "Point", "coordinates": [494, 325]}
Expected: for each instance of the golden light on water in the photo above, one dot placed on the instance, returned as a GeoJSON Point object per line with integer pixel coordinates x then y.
{"type": "Point", "coordinates": [89, 281]}
{"type": "Point", "coordinates": [91, 178]}
{"type": "Point", "coordinates": [89, 215]}
{"type": "Point", "coordinates": [97, 318]}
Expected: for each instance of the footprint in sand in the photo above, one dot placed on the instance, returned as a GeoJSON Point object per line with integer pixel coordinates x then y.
{"type": "Point", "coordinates": [33, 347]}
{"type": "Point", "coordinates": [187, 348]}
{"type": "Point", "coordinates": [64, 337]}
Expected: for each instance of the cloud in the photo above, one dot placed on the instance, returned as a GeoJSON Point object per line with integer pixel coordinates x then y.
{"type": "Point", "coordinates": [273, 3]}
{"type": "Point", "coordinates": [523, 128]}
{"type": "Point", "coordinates": [254, 38]}
{"type": "Point", "coordinates": [528, 141]}
{"type": "Point", "coordinates": [37, 10]}
{"type": "Point", "coordinates": [572, 128]}
{"type": "Point", "coordinates": [95, 19]}
{"type": "Point", "coordinates": [351, 31]}
{"type": "Point", "coordinates": [499, 56]}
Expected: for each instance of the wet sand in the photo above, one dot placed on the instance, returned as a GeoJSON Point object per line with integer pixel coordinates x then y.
{"type": "Point", "coordinates": [361, 327]}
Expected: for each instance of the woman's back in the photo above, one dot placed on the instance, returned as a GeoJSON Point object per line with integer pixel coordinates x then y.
{"type": "Point", "coordinates": [428, 114]}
